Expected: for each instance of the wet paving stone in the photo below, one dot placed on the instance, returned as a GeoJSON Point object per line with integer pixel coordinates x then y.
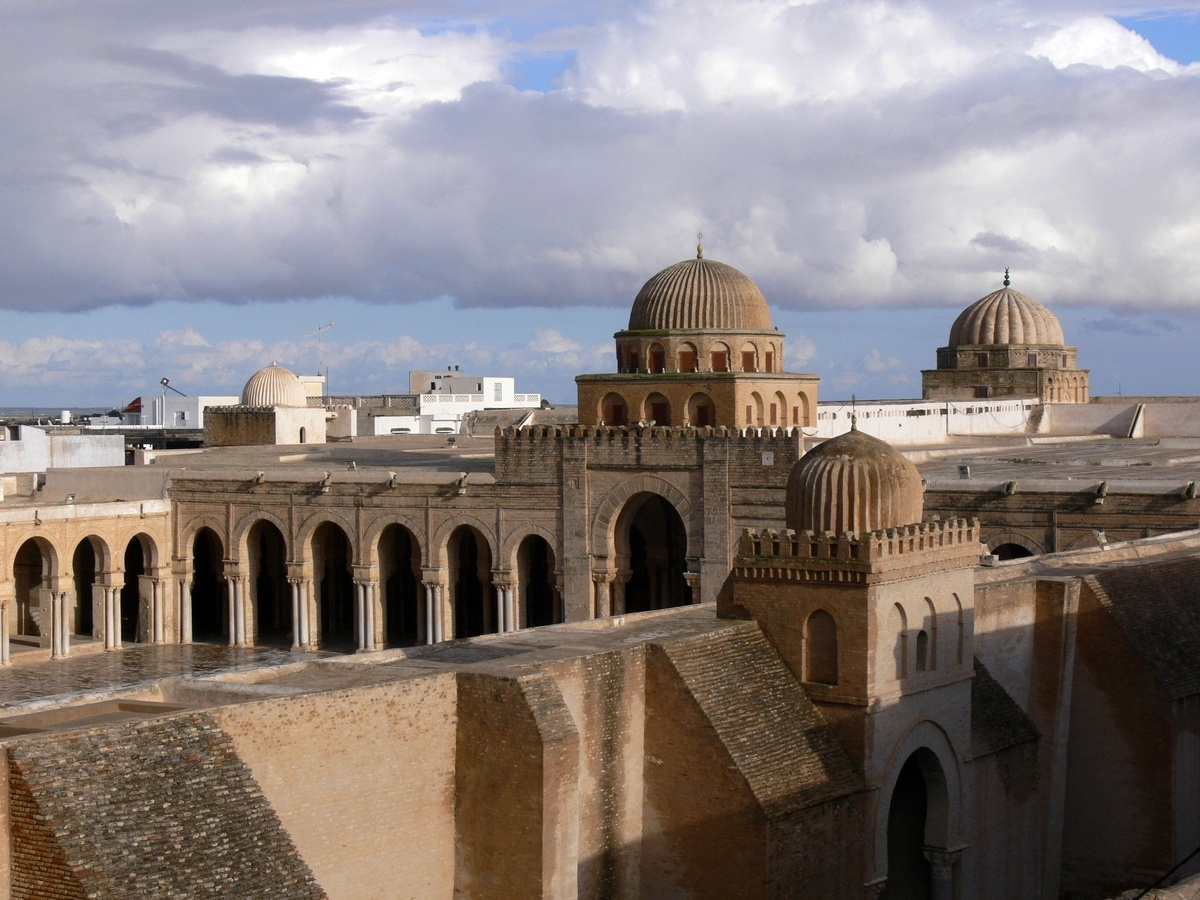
{"type": "Point", "coordinates": [25, 682]}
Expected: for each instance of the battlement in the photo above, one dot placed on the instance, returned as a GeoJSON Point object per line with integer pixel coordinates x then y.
{"type": "Point", "coordinates": [769, 546]}
{"type": "Point", "coordinates": [531, 454]}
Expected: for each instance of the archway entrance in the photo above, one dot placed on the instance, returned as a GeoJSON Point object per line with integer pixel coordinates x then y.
{"type": "Point", "coordinates": [1011, 550]}
{"type": "Point", "coordinates": [84, 563]}
{"type": "Point", "coordinates": [470, 560]}
{"type": "Point", "coordinates": [335, 586]}
{"type": "Point", "coordinates": [399, 572]}
{"type": "Point", "coordinates": [651, 544]}
{"type": "Point", "coordinates": [916, 821]}
{"type": "Point", "coordinates": [31, 575]}
{"type": "Point", "coordinates": [538, 585]}
{"type": "Point", "coordinates": [209, 611]}
{"type": "Point", "coordinates": [131, 591]}
{"type": "Point", "coordinates": [268, 574]}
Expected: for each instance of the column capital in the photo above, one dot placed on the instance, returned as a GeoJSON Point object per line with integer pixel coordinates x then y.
{"type": "Point", "coordinates": [941, 862]}
{"type": "Point", "coordinates": [604, 576]}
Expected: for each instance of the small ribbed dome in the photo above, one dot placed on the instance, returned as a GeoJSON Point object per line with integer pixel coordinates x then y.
{"type": "Point", "coordinates": [700, 295]}
{"type": "Point", "coordinates": [274, 386]}
{"type": "Point", "coordinates": [1006, 317]}
{"type": "Point", "coordinates": [853, 482]}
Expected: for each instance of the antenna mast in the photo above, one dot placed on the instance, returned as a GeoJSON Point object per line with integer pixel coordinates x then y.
{"type": "Point", "coordinates": [317, 331]}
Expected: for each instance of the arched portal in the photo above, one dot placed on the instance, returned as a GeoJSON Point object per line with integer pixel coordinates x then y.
{"type": "Point", "coordinates": [335, 586]}
{"type": "Point", "coordinates": [470, 561]}
{"type": "Point", "coordinates": [651, 545]}
{"type": "Point", "coordinates": [84, 563]}
{"type": "Point", "coordinates": [267, 552]}
{"type": "Point", "coordinates": [209, 612]}
{"type": "Point", "coordinates": [131, 591]}
{"type": "Point", "coordinates": [539, 592]}
{"type": "Point", "coordinates": [916, 818]}
{"type": "Point", "coordinates": [1011, 550]}
{"type": "Point", "coordinates": [657, 409]}
{"type": "Point", "coordinates": [613, 410]}
{"type": "Point", "coordinates": [399, 572]}
{"type": "Point", "coordinates": [31, 575]}
{"type": "Point", "coordinates": [701, 410]}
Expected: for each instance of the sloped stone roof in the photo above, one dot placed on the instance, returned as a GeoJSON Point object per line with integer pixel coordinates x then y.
{"type": "Point", "coordinates": [1157, 606]}
{"type": "Point", "coordinates": [997, 722]}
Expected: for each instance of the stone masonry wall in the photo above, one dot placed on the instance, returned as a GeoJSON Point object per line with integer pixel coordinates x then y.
{"type": "Point", "coordinates": [156, 809]}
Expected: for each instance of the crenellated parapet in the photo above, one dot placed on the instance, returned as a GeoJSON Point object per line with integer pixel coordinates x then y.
{"type": "Point", "coordinates": [812, 556]}
{"type": "Point", "coordinates": [532, 454]}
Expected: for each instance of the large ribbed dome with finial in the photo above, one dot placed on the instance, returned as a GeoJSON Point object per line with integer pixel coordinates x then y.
{"type": "Point", "coordinates": [1006, 317]}
{"type": "Point", "coordinates": [700, 295]}
{"type": "Point", "coordinates": [853, 482]}
{"type": "Point", "coordinates": [274, 386]}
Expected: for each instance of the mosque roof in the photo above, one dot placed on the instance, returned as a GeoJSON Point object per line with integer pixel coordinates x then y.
{"type": "Point", "coordinates": [274, 386]}
{"type": "Point", "coordinates": [1006, 317]}
{"type": "Point", "coordinates": [700, 295]}
{"type": "Point", "coordinates": [853, 482]}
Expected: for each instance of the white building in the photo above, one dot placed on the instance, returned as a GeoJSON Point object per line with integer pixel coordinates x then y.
{"type": "Point", "coordinates": [439, 403]}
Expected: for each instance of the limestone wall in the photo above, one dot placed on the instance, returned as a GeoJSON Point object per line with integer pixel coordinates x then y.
{"type": "Point", "coordinates": [363, 781]}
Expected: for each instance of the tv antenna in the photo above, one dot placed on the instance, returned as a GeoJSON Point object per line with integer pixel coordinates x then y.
{"type": "Point", "coordinates": [317, 331]}
{"type": "Point", "coordinates": [166, 383]}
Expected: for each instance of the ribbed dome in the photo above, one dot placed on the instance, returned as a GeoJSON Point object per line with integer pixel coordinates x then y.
{"type": "Point", "coordinates": [700, 295]}
{"type": "Point", "coordinates": [274, 386]}
{"type": "Point", "coordinates": [853, 482]}
{"type": "Point", "coordinates": [1006, 317]}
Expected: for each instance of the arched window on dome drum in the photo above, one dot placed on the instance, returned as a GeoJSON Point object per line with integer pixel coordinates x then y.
{"type": "Point", "coordinates": [634, 360]}
{"type": "Point", "coordinates": [769, 361]}
{"type": "Point", "coordinates": [749, 358]}
{"type": "Point", "coordinates": [613, 410]}
{"type": "Point", "coordinates": [720, 358]}
{"type": "Point", "coordinates": [821, 648]}
{"type": "Point", "coordinates": [922, 650]}
{"type": "Point", "coordinates": [981, 360]}
{"type": "Point", "coordinates": [687, 358]}
{"type": "Point", "coordinates": [657, 359]}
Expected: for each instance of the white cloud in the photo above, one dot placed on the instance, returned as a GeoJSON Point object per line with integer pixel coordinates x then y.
{"type": "Point", "coordinates": [1099, 41]}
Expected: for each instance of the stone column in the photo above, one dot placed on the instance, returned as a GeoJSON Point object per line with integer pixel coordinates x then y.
{"type": "Point", "coordinates": [295, 587]}
{"type": "Point", "coordinates": [185, 611]}
{"type": "Point", "coordinates": [693, 582]}
{"type": "Point", "coordinates": [500, 626]}
{"type": "Point", "coordinates": [58, 628]}
{"type": "Point", "coordinates": [602, 605]}
{"type": "Point", "coordinates": [364, 624]}
{"type": "Point", "coordinates": [510, 608]}
{"type": "Point", "coordinates": [5, 654]}
{"type": "Point", "coordinates": [306, 642]}
{"type": "Point", "coordinates": [156, 601]}
{"type": "Point", "coordinates": [941, 873]}
{"type": "Point", "coordinates": [114, 615]}
{"type": "Point", "coordinates": [64, 618]}
{"type": "Point", "coordinates": [619, 582]}
{"type": "Point", "coordinates": [231, 599]}
{"type": "Point", "coordinates": [109, 614]}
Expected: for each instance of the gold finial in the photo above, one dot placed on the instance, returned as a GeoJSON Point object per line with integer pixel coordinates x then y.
{"type": "Point", "coordinates": [1006, 281]}
{"type": "Point", "coordinates": [699, 246]}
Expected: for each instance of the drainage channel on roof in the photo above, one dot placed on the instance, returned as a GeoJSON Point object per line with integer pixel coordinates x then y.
{"type": "Point", "coordinates": [101, 713]}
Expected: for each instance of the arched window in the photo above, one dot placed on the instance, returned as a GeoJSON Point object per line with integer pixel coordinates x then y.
{"type": "Point", "coordinates": [657, 359]}
{"type": "Point", "coordinates": [613, 410]}
{"type": "Point", "coordinates": [958, 652]}
{"type": "Point", "coordinates": [303, 435]}
{"type": "Point", "coordinates": [922, 650]}
{"type": "Point", "coordinates": [820, 648]}
{"type": "Point", "coordinates": [658, 409]}
{"type": "Point", "coordinates": [687, 358]}
{"type": "Point", "coordinates": [900, 629]}
{"type": "Point", "coordinates": [932, 625]}
{"type": "Point", "coordinates": [720, 358]}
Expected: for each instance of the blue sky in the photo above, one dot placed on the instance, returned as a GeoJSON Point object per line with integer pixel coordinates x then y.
{"type": "Point", "coordinates": [191, 195]}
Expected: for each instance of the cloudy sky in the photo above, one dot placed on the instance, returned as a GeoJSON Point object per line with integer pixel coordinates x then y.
{"type": "Point", "coordinates": [191, 189]}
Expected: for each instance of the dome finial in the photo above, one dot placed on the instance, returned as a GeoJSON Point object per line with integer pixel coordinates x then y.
{"type": "Point", "coordinates": [1006, 281]}
{"type": "Point", "coordinates": [853, 413]}
{"type": "Point", "coordinates": [699, 246]}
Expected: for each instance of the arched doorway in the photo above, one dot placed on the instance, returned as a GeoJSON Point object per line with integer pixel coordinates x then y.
{"type": "Point", "coordinates": [702, 411]}
{"type": "Point", "coordinates": [538, 585]}
{"type": "Point", "coordinates": [209, 611]}
{"type": "Point", "coordinates": [31, 575]}
{"type": "Point", "coordinates": [1011, 550]}
{"type": "Point", "coordinates": [916, 816]}
{"type": "Point", "coordinates": [657, 409]}
{"type": "Point", "coordinates": [613, 410]}
{"type": "Point", "coordinates": [470, 560]}
{"type": "Point", "coordinates": [335, 586]}
{"type": "Point", "coordinates": [651, 544]}
{"type": "Point", "coordinates": [399, 572]}
{"type": "Point", "coordinates": [84, 563]}
{"type": "Point", "coordinates": [267, 552]}
{"type": "Point", "coordinates": [131, 591]}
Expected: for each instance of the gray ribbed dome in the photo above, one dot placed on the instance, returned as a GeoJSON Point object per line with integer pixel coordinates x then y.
{"type": "Point", "coordinates": [1006, 317]}
{"type": "Point", "coordinates": [274, 386]}
{"type": "Point", "coordinates": [700, 295]}
{"type": "Point", "coordinates": [853, 482]}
